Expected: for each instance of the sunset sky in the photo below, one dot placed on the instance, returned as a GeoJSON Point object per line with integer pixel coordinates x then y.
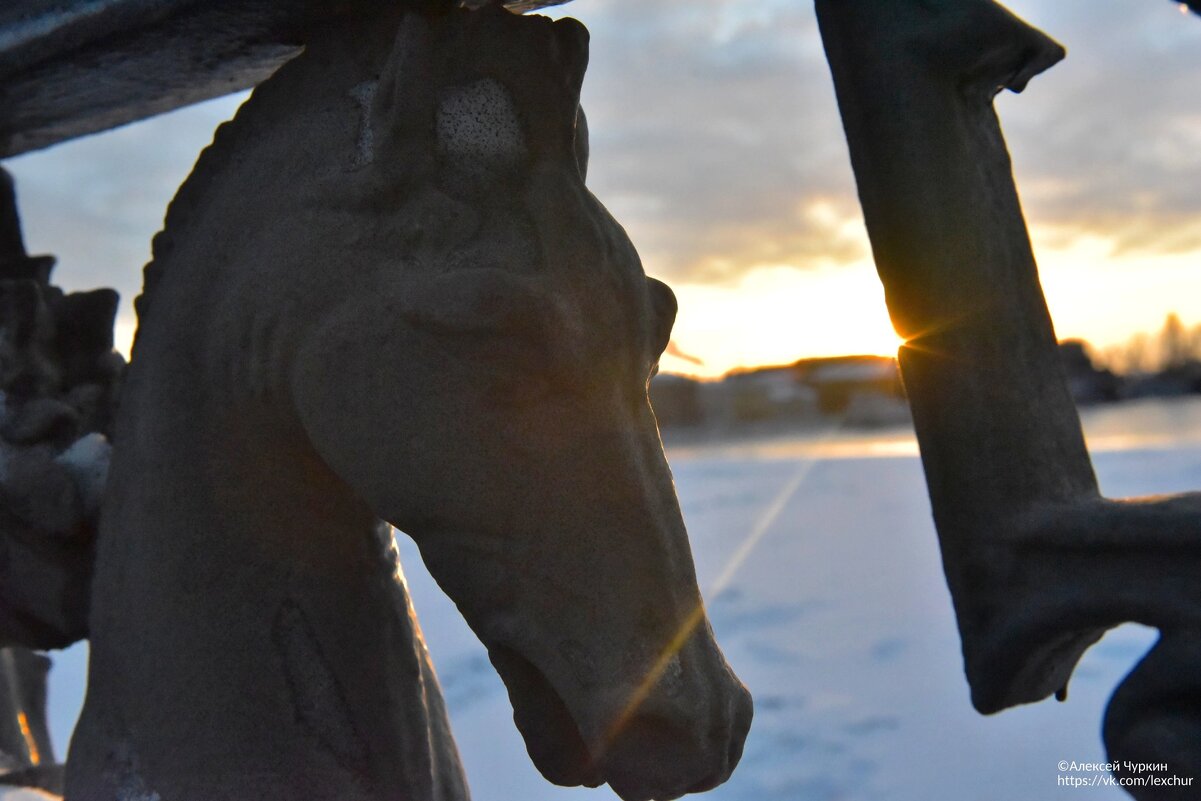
{"type": "Point", "coordinates": [716, 142]}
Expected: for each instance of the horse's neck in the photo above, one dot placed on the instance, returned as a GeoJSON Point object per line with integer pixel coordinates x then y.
{"type": "Point", "coordinates": [248, 621]}
{"type": "Point", "coordinates": [250, 637]}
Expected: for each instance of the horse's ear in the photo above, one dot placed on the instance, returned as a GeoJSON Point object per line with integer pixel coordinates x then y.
{"type": "Point", "coordinates": [396, 111]}
{"type": "Point", "coordinates": [476, 301]}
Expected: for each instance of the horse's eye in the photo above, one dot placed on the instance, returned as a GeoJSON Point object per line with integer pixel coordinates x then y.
{"type": "Point", "coordinates": [480, 302]}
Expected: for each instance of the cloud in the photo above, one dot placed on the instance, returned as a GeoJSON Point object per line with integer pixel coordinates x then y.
{"type": "Point", "coordinates": [713, 127]}
{"type": "Point", "coordinates": [716, 141]}
{"type": "Point", "coordinates": [1109, 141]}
{"type": "Point", "coordinates": [714, 123]}
{"type": "Point", "coordinates": [96, 202]}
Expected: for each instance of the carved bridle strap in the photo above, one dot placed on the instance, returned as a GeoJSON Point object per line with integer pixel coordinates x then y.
{"type": "Point", "coordinates": [1038, 563]}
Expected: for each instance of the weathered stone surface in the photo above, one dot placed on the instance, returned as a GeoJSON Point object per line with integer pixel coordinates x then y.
{"type": "Point", "coordinates": [386, 293]}
{"type": "Point", "coordinates": [71, 69]}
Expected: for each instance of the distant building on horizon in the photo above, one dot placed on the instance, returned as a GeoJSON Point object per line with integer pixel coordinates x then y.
{"type": "Point", "coordinates": [858, 390]}
{"type": "Point", "coordinates": [867, 391]}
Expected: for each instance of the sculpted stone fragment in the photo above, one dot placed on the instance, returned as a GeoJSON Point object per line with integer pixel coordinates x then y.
{"type": "Point", "coordinates": [1038, 563]}
{"type": "Point", "coordinates": [59, 380]}
{"type": "Point", "coordinates": [386, 294]}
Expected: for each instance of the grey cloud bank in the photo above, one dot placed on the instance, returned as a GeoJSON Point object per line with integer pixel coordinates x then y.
{"type": "Point", "coordinates": [96, 202]}
{"type": "Point", "coordinates": [723, 125]}
{"type": "Point", "coordinates": [716, 142]}
{"type": "Point", "coordinates": [1109, 141]}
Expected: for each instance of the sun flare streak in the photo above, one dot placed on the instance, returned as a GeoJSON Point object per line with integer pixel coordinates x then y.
{"type": "Point", "coordinates": [922, 340]}
{"type": "Point", "coordinates": [749, 543]}
{"type": "Point", "coordinates": [762, 526]}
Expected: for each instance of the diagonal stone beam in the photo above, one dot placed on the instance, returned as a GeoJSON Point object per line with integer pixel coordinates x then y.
{"type": "Point", "coordinates": [1039, 565]}
{"type": "Point", "coordinates": [70, 69]}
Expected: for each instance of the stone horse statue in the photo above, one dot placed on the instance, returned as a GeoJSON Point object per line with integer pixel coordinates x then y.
{"type": "Point", "coordinates": [386, 294]}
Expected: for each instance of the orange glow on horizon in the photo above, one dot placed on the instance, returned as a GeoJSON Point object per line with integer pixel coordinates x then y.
{"type": "Point", "coordinates": [777, 314]}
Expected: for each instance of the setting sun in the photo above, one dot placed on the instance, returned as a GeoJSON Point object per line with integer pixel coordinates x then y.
{"type": "Point", "coordinates": [776, 315]}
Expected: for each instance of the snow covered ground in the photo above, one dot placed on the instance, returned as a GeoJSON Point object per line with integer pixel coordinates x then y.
{"type": "Point", "coordinates": [835, 613]}
{"type": "Point", "coordinates": [24, 794]}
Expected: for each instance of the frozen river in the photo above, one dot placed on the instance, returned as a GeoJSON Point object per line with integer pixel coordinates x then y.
{"type": "Point", "coordinates": [820, 567]}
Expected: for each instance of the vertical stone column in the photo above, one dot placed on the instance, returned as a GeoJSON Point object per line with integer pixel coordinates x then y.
{"type": "Point", "coordinates": [1038, 563]}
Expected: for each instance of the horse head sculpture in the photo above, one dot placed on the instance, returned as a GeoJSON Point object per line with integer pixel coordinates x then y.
{"type": "Point", "coordinates": [386, 294]}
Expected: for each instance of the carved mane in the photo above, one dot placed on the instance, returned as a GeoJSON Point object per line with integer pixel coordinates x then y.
{"type": "Point", "coordinates": [248, 131]}
{"type": "Point", "coordinates": [209, 165]}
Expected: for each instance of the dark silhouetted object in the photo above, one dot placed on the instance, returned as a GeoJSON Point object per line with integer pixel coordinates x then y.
{"type": "Point", "coordinates": [1039, 564]}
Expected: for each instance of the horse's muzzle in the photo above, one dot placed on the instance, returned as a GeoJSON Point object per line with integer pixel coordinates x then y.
{"type": "Point", "coordinates": [668, 746]}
